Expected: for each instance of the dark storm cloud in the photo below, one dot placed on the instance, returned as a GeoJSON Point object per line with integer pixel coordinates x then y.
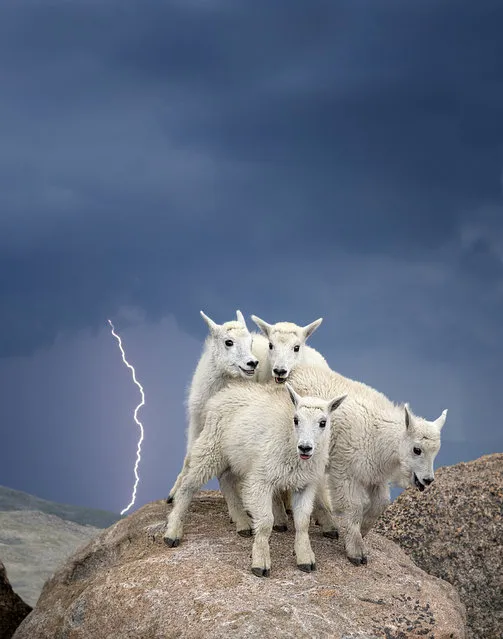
{"type": "Point", "coordinates": [211, 131]}
{"type": "Point", "coordinates": [292, 159]}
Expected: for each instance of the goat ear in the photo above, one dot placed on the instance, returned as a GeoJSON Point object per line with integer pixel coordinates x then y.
{"type": "Point", "coordinates": [408, 418]}
{"type": "Point", "coordinates": [293, 395]}
{"type": "Point", "coordinates": [440, 421]}
{"type": "Point", "coordinates": [263, 326]}
{"type": "Point", "coordinates": [213, 326]}
{"type": "Point", "coordinates": [335, 403]}
{"type": "Point", "coordinates": [310, 328]}
{"type": "Point", "coordinates": [241, 319]}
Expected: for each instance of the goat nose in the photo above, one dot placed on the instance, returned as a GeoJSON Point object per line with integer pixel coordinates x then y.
{"type": "Point", "coordinates": [279, 372]}
{"type": "Point", "coordinates": [428, 480]}
{"type": "Point", "coordinates": [253, 363]}
{"type": "Point", "coordinates": [305, 448]}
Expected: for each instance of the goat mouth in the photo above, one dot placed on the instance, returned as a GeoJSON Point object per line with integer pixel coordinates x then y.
{"type": "Point", "coordinates": [249, 372]}
{"type": "Point", "coordinates": [280, 380]}
{"type": "Point", "coordinates": [418, 484]}
{"type": "Point", "coordinates": [302, 456]}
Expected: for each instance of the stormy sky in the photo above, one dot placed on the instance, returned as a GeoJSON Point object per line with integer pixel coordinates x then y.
{"type": "Point", "coordinates": [292, 159]}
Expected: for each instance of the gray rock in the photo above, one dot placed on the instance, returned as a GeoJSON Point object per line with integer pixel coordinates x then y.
{"type": "Point", "coordinates": [127, 583]}
{"type": "Point", "coordinates": [454, 530]}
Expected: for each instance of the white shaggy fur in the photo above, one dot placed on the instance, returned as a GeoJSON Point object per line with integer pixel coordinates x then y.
{"type": "Point", "coordinates": [373, 442]}
{"type": "Point", "coordinates": [270, 442]}
{"type": "Point", "coordinates": [226, 355]}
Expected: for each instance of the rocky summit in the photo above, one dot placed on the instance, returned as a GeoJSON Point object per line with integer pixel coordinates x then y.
{"type": "Point", "coordinates": [127, 583]}
{"type": "Point", "coordinates": [454, 530]}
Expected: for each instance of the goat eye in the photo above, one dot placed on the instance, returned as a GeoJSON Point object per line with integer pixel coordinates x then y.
{"type": "Point", "coordinates": [296, 421]}
{"type": "Point", "coordinates": [229, 342]}
{"type": "Point", "coordinates": [417, 451]}
{"type": "Point", "coordinates": [270, 346]}
{"type": "Point", "coordinates": [323, 423]}
{"type": "Point", "coordinates": [296, 348]}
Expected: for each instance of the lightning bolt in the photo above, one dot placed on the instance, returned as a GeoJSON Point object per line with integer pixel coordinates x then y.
{"type": "Point", "coordinates": [140, 425]}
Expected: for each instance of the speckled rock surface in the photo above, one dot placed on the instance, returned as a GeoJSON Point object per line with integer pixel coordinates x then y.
{"type": "Point", "coordinates": [12, 608]}
{"type": "Point", "coordinates": [127, 583]}
{"type": "Point", "coordinates": [454, 530]}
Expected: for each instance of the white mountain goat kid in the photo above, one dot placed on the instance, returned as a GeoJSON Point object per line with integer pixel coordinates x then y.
{"type": "Point", "coordinates": [282, 346]}
{"type": "Point", "coordinates": [226, 355]}
{"type": "Point", "coordinates": [269, 442]}
{"type": "Point", "coordinates": [373, 442]}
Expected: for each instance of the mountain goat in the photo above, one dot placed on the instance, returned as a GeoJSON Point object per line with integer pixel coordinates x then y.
{"type": "Point", "coordinates": [270, 442]}
{"type": "Point", "coordinates": [282, 346]}
{"type": "Point", "coordinates": [373, 442]}
{"type": "Point", "coordinates": [226, 355]}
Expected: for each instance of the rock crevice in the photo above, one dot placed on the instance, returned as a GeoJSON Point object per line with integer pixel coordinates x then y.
{"type": "Point", "coordinates": [12, 608]}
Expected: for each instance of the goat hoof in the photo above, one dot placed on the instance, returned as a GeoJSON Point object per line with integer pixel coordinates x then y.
{"type": "Point", "coordinates": [169, 500]}
{"type": "Point", "coordinates": [307, 567]}
{"type": "Point", "coordinates": [331, 534]}
{"type": "Point", "coordinates": [172, 543]}
{"type": "Point", "coordinates": [364, 560]}
{"type": "Point", "coordinates": [280, 528]}
{"type": "Point", "coordinates": [246, 532]}
{"type": "Point", "coordinates": [358, 561]}
{"type": "Point", "coordinates": [261, 572]}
